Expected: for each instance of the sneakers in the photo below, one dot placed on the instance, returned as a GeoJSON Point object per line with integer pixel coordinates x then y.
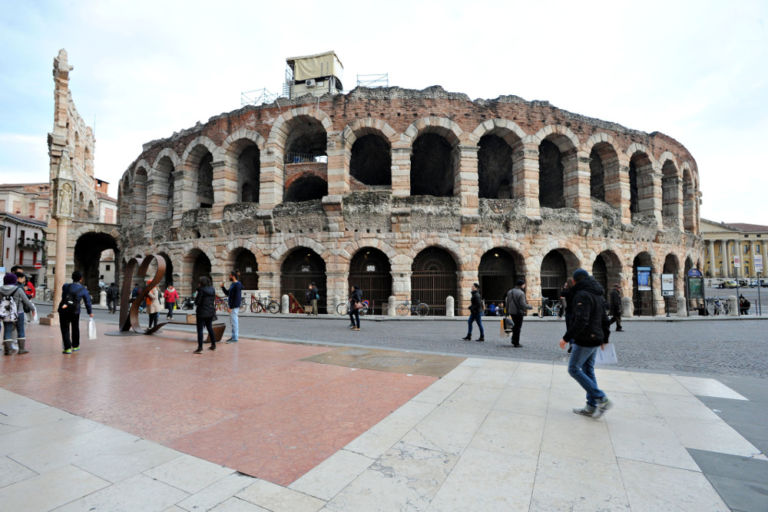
{"type": "Point", "coordinates": [602, 405]}
{"type": "Point", "coordinates": [355, 328]}
{"type": "Point", "coordinates": [587, 410]}
{"type": "Point", "coordinates": [67, 351]}
{"type": "Point", "coordinates": [75, 349]}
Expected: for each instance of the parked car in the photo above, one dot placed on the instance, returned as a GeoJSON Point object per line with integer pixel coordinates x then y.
{"type": "Point", "coordinates": [764, 283]}
{"type": "Point", "coordinates": [730, 283]}
{"type": "Point", "coordinates": [753, 283]}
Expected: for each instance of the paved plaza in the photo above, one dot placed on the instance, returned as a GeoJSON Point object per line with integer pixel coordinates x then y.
{"type": "Point", "coordinates": [139, 423]}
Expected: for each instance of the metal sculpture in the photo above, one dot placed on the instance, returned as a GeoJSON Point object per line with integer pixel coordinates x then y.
{"type": "Point", "coordinates": [129, 317]}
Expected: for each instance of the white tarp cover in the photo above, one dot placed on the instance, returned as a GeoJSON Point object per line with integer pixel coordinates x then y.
{"type": "Point", "coordinates": [315, 66]}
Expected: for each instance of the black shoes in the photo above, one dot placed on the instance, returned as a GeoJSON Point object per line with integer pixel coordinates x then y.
{"type": "Point", "coordinates": [198, 351]}
{"type": "Point", "coordinates": [466, 338]}
{"type": "Point", "coordinates": [480, 339]}
{"type": "Point", "coordinates": [517, 346]}
{"type": "Point", "coordinates": [212, 347]}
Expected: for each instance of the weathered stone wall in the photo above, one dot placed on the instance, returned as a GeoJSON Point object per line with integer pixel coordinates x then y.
{"type": "Point", "coordinates": [354, 215]}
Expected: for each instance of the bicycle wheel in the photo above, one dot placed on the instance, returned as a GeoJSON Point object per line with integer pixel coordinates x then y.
{"type": "Point", "coordinates": [256, 307]}
{"type": "Point", "coordinates": [422, 309]}
{"type": "Point", "coordinates": [341, 308]}
{"type": "Point", "coordinates": [243, 307]}
{"type": "Point", "coordinates": [273, 307]}
{"type": "Point", "coordinates": [403, 310]}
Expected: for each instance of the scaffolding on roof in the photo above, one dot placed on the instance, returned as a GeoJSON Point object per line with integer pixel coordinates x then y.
{"type": "Point", "coordinates": [375, 80]}
{"type": "Point", "coordinates": [260, 97]}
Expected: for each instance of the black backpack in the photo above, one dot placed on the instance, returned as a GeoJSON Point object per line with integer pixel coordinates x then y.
{"type": "Point", "coordinates": [68, 303]}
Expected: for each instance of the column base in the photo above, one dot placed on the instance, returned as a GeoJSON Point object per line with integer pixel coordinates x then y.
{"type": "Point", "coordinates": [52, 319]}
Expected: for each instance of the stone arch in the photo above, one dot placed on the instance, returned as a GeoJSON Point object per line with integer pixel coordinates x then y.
{"type": "Point", "coordinates": [434, 143]}
{"type": "Point", "coordinates": [371, 270]}
{"type": "Point", "coordinates": [89, 245]}
{"type": "Point", "coordinates": [168, 153]}
{"type": "Point", "coordinates": [641, 181]}
{"type": "Point", "coordinates": [453, 248]}
{"type": "Point", "coordinates": [162, 186]}
{"type": "Point", "coordinates": [300, 267]}
{"type": "Point", "coordinates": [500, 143]}
{"type": "Point", "coordinates": [434, 277]}
{"type": "Point", "coordinates": [197, 164]}
{"type": "Point", "coordinates": [244, 260]}
{"type": "Point", "coordinates": [281, 252]}
{"type": "Point", "coordinates": [689, 199]}
{"type": "Point", "coordinates": [643, 283]}
{"type": "Point", "coordinates": [558, 164]}
{"type": "Point", "coordinates": [370, 158]}
{"type": "Point", "coordinates": [280, 128]}
{"type": "Point", "coordinates": [354, 246]}
{"type": "Point", "coordinates": [241, 152]}
{"type": "Point", "coordinates": [604, 166]}
{"type": "Point", "coordinates": [607, 269]}
{"type": "Point", "coordinates": [670, 194]}
{"type": "Point", "coordinates": [556, 266]}
{"type": "Point", "coordinates": [498, 270]}
{"type": "Point", "coordinates": [195, 263]}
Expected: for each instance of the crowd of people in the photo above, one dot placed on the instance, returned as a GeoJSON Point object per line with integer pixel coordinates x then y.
{"type": "Point", "coordinates": [16, 296]}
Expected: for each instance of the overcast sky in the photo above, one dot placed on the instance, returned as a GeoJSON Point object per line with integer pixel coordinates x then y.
{"type": "Point", "coordinates": [697, 71]}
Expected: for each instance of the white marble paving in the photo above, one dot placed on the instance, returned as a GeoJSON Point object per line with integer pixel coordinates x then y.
{"type": "Point", "coordinates": [490, 435]}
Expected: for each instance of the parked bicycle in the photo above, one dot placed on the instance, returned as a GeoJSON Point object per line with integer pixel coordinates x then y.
{"type": "Point", "coordinates": [260, 305]}
{"type": "Point", "coordinates": [220, 303]}
{"type": "Point", "coordinates": [414, 308]}
{"type": "Point", "coordinates": [550, 307]}
{"type": "Point", "coordinates": [718, 306]}
{"type": "Point", "coordinates": [342, 308]}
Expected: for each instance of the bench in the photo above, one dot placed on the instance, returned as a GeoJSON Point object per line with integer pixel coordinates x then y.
{"type": "Point", "coordinates": [218, 327]}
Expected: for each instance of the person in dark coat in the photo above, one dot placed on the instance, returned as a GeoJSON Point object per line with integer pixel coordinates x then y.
{"type": "Point", "coordinates": [586, 336]}
{"type": "Point", "coordinates": [234, 300]}
{"type": "Point", "coordinates": [69, 314]}
{"type": "Point", "coordinates": [614, 302]}
{"type": "Point", "coordinates": [112, 297]}
{"type": "Point", "coordinates": [355, 298]}
{"type": "Point", "coordinates": [475, 314]}
{"type": "Point", "coordinates": [517, 307]}
{"type": "Point", "coordinates": [205, 310]}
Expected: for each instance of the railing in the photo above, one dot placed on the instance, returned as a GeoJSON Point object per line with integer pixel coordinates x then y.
{"type": "Point", "coordinates": [300, 158]}
{"type": "Point", "coordinates": [36, 244]}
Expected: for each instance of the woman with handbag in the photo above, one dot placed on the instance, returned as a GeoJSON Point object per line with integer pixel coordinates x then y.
{"type": "Point", "coordinates": [153, 306]}
{"type": "Point", "coordinates": [355, 305]}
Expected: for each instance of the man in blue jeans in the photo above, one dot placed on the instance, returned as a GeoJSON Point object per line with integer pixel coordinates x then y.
{"type": "Point", "coordinates": [585, 334]}
{"type": "Point", "coordinates": [475, 314]}
{"type": "Point", "coordinates": [234, 299]}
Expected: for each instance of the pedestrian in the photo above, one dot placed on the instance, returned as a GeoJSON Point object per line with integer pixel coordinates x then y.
{"type": "Point", "coordinates": [112, 296]}
{"type": "Point", "coordinates": [566, 298]}
{"type": "Point", "coordinates": [153, 306]}
{"type": "Point", "coordinates": [69, 312]}
{"type": "Point", "coordinates": [205, 310]}
{"type": "Point", "coordinates": [134, 293]}
{"type": "Point", "coordinates": [475, 314]}
{"type": "Point", "coordinates": [614, 302]}
{"type": "Point", "coordinates": [13, 300]}
{"type": "Point", "coordinates": [234, 299]}
{"type": "Point", "coordinates": [744, 305]}
{"type": "Point", "coordinates": [23, 308]}
{"type": "Point", "coordinates": [517, 307]}
{"type": "Point", "coordinates": [27, 285]}
{"type": "Point", "coordinates": [492, 310]}
{"type": "Point", "coordinates": [311, 298]}
{"type": "Point", "coordinates": [354, 307]}
{"type": "Point", "coordinates": [586, 335]}
{"type": "Point", "coordinates": [171, 297]}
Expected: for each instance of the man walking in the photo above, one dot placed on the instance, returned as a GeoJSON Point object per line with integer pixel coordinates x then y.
{"type": "Point", "coordinates": [615, 305]}
{"type": "Point", "coordinates": [234, 299]}
{"type": "Point", "coordinates": [517, 306]}
{"type": "Point", "coordinates": [69, 312]}
{"type": "Point", "coordinates": [112, 295]}
{"type": "Point", "coordinates": [475, 314]}
{"type": "Point", "coordinates": [586, 335]}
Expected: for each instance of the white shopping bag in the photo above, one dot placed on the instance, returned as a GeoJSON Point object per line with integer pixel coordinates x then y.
{"type": "Point", "coordinates": [91, 329]}
{"type": "Point", "coordinates": [606, 354]}
{"type": "Point", "coordinates": [35, 317]}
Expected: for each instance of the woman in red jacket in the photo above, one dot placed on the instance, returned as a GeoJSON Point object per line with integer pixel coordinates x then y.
{"type": "Point", "coordinates": [171, 297]}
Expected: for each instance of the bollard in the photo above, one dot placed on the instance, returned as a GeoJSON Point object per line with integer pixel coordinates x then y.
{"type": "Point", "coordinates": [733, 306]}
{"type": "Point", "coordinates": [391, 306]}
{"type": "Point", "coordinates": [102, 298]}
{"type": "Point", "coordinates": [284, 304]}
{"type": "Point", "coordinates": [449, 306]}
{"type": "Point", "coordinates": [627, 308]}
{"type": "Point", "coordinates": [682, 306]}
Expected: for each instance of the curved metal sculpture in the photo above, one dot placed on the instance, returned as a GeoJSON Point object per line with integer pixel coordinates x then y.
{"type": "Point", "coordinates": [129, 317]}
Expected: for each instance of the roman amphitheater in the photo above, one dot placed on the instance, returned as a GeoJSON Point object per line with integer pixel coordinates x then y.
{"type": "Point", "coordinates": [415, 195]}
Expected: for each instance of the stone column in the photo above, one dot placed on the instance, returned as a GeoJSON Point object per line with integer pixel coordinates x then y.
{"type": "Point", "coordinates": [525, 165]}
{"type": "Point", "coordinates": [271, 177]}
{"type": "Point", "coordinates": [225, 188]}
{"type": "Point", "coordinates": [337, 289]}
{"type": "Point", "coordinates": [726, 259]}
{"type": "Point", "coordinates": [659, 305]}
{"type": "Point", "coordinates": [338, 172]}
{"type": "Point", "coordinates": [622, 195]}
{"type": "Point", "coordinates": [401, 170]}
{"type": "Point", "coordinates": [711, 248]}
{"type": "Point", "coordinates": [738, 272]}
{"type": "Point", "coordinates": [466, 183]}
{"type": "Point", "coordinates": [466, 278]}
{"type": "Point", "coordinates": [60, 273]}
{"type": "Point", "coordinates": [401, 284]}
{"type": "Point", "coordinates": [576, 188]}
{"type": "Point", "coordinates": [185, 194]}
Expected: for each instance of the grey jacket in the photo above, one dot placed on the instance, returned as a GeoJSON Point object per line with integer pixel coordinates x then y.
{"type": "Point", "coordinates": [22, 302]}
{"type": "Point", "coordinates": [516, 303]}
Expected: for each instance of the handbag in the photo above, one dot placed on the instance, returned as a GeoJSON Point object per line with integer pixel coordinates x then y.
{"type": "Point", "coordinates": [508, 324]}
{"type": "Point", "coordinates": [358, 305]}
{"type": "Point", "coordinates": [606, 354]}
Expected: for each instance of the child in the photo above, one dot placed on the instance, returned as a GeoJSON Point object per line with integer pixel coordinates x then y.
{"type": "Point", "coordinates": [12, 300]}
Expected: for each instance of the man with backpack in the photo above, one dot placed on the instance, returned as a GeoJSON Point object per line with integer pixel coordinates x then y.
{"type": "Point", "coordinates": [69, 312]}
{"type": "Point", "coordinates": [13, 300]}
{"type": "Point", "coordinates": [586, 333]}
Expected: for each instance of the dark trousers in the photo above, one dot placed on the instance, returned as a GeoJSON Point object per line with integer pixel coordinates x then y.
{"type": "Point", "coordinates": [354, 316]}
{"type": "Point", "coordinates": [518, 320]}
{"type": "Point", "coordinates": [617, 319]}
{"type": "Point", "coordinates": [152, 320]}
{"type": "Point", "coordinates": [475, 317]}
{"type": "Point", "coordinates": [208, 323]}
{"type": "Point", "coordinates": [67, 323]}
{"type": "Point", "coordinates": [111, 305]}
{"type": "Point", "coordinates": [170, 306]}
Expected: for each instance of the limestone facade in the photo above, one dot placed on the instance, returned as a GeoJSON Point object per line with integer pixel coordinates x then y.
{"type": "Point", "coordinates": [434, 190]}
{"type": "Point", "coordinates": [723, 242]}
